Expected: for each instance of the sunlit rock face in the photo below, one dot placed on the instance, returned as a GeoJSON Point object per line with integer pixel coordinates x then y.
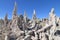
{"type": "Point", "coordinates": [22, 28]}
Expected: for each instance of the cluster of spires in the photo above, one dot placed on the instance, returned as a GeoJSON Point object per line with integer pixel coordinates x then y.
{"type": "Point", "coordinates": [15, 13]}
{"type": "Point", "coordinates": [25, 16]}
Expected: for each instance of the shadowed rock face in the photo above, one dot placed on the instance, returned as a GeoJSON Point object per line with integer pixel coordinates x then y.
{"type": "Point", "coordinates": [57, 33]}
{"type": "Point", "coordinates": [12, 38]}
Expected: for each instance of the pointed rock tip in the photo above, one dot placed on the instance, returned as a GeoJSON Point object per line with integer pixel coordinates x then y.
{"type": "Point", "coordinates": [15, 2]}
{"type": "Point", "coordinates": [34, 11]}
{"type": "Point", "coordinates": [24, 13]}
{"type": "Point", "coordinates": [52, 10]}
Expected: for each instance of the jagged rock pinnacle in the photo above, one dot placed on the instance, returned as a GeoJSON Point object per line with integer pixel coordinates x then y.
{"type": "Point", "coordinates": [34, 15]}
{"type": "Point", "coordinates": [52, 10]}
{"type": "Point", "coordinates": [14, 11]}
{"type": "Point", "coordinates": [24, 13]}
{"type": "Point", "coordinates": [25, 17]}
{"type": "Point", "coordinates": [6, 16]}
{"type": "Point", "coordinates": [34, 11]}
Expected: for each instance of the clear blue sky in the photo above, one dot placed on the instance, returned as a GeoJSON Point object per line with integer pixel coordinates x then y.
{"type": "Point", "coordinates": [42, 7]}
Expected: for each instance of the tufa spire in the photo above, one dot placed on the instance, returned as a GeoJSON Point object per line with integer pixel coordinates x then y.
{"type": "Point", "coordinates": [34, 12]}
{"type": "Point", "coordinates": [25, 17]}
{"type": "Point", "coordinates": [52, 10]}
{"type": "Point", "coordinates": [34, 15]}
{"type": "Point", "coordinates": [15, 11]}
{"type": "Point", "coordinates": [6, 17]}
{"type": "Point", "coordinates": [6, 20]}
{"type": "Point", "coordinates": [24, 13]}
